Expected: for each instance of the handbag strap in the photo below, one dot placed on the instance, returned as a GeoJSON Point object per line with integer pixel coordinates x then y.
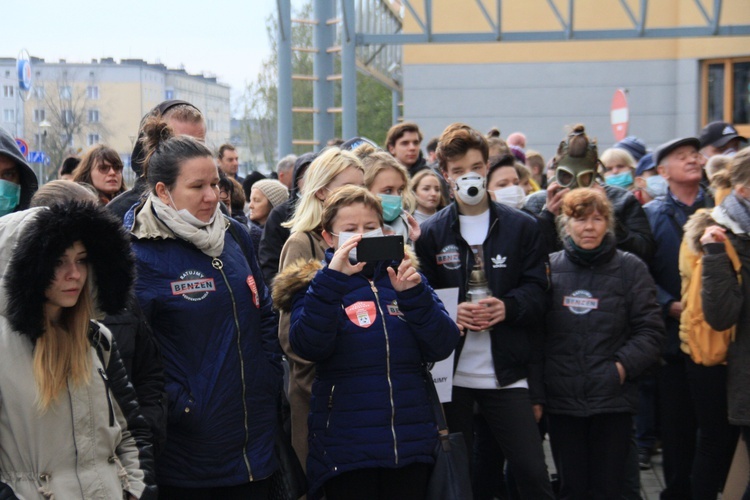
{"type": "Point", "coordinates": [437, 406]}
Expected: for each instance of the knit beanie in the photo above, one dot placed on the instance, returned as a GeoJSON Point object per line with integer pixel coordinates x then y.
{"type": "Point", "coordinates": [275, 191]}
{"type": "Point", "coordinates": [634, 146]}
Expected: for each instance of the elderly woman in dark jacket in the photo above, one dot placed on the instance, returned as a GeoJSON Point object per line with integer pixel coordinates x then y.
{"type": "Point", "coordinates": [726, 299]}
{"type": "Point", "coordinates": [603, 330]}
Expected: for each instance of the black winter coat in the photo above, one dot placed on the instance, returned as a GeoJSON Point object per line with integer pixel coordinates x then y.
{"type": "Point", "coordinates": [726, 302]}
{"type": "Point", "coordinates": [516, 269]}
{"type": "Point", "coordinates": [142, 359]}
{"type": "Point", "coordinates": [601, 313]}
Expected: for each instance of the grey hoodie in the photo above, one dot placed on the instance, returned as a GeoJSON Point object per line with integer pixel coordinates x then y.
{"type": "Point", "coordinates": [29, 182]}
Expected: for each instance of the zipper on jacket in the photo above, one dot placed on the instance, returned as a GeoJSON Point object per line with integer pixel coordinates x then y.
{"type": "Point", "coordinates": [109, 399]}
{"type": "Point", "coordinates": [75, 441]}
{"type": "Point", "coordinates": [388, 370]}
{"type": "Point", "coordinates": [219, 265]}
{"type": "Point", "coordinates": [330, 405]}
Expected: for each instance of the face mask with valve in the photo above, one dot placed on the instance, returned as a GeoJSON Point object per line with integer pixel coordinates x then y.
{"type": "Point", "coordinates": [470, 188]}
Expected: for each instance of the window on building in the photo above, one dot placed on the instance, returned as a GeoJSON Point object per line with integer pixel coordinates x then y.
{"type": "Point", "coordinates": [66, 92]}
{"type": "Point", "coordinates": [67, 116]}
{"type": "Point", "coordinates": [67, 140]}
{"type": "Point", "coordinates": [92, 139]}
{"type": "Point", "coordinates": [92, 92]}
{"type": "Point", "coordinates": [40, 140]}
{"type": "Point", "coordinates": [726, 92]}
{"type": "Point", "coordinates": [93, 116]}
{"type": "Point", "coordinates": [39, 115]}
{"type": "Point", "coordinates": [9, 115]}
{"type": "Point", "coordinates": [38, 92]}
{"type": "Point", "coordinates": [168, 95]}
{"type": "Point", "coordinates": [9, 91]}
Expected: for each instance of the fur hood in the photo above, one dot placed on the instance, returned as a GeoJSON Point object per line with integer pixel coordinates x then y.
{"type": "Point", "coordinates": [298, 275]}
{"type": "Point", "coordinates": [30, 244]}
{"type": "Point", "coordinates": [695, 228]}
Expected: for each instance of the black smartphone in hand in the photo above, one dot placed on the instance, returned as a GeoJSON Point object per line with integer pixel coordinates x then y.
{"type": "Point", "coordinates": [387, 248]}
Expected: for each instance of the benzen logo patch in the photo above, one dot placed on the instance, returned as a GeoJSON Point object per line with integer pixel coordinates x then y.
{"type": "Point", "coordinates": [193, 285]}
{"type": "Point", "coordinates": [580, 302]}
{"type": "Point", "coordinates": [253, 290]}
{"type": "Point", "coordinates": [449, 257]}
{"type": "Point", "coordinates": [361, 313]}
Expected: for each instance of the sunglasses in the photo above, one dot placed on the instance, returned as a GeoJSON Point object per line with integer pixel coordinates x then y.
{"type": "Point", "coordinates": [566, 178]}
{"type": "Point", "coordinates": [103, 168]}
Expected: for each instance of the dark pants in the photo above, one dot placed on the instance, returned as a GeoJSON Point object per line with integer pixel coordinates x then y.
{"type": "Point", "coordinates": [257, 490]}
{"type": "Point", "coordinates": [590, 454]}
{"type": "Point", "coordinates": [716, 438]}
{"type": "Point", "coordinates": [697, 440]}
{"type": "Point", "coordinates": [508, 413]}
{"type": "Point", "coordinates": [746, 435]}
{"type": "Point", "coordinates": [678, 428]}
{"type": "Point", "coordinates": [646, 418]}
{"type": "Point", "coordinates": [404, 483]}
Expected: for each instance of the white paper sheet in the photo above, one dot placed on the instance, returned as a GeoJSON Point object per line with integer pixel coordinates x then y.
{"type": "Point", "coordinates": [442, 372]}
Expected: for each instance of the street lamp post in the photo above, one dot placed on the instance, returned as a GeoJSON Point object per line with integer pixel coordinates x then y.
{"type": "Point", "coordinates": [44, 125]}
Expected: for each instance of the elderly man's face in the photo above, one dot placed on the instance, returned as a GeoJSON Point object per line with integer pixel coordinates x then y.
{"type": "Point", "coordinates": [683, 166]}
{"type": "Point", "coordinates": [9, 170]}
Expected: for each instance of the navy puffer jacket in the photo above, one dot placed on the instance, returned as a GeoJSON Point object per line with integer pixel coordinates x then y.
{"type": "Point", "coordinates": [369, 405]}
{"type": "Point", "coordinates": [215, 326]}
{"type": "Point", "coordinates": [602, 312]}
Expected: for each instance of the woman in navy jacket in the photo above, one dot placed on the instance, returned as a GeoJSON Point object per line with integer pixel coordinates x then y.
{"type": "Point", "coordinates": [370, 329]}
{"type": "Point", "coordinates": [201, 289]}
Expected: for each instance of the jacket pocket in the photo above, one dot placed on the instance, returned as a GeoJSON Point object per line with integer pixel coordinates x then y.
{"type": "Point", "coordinates": [330, 408]}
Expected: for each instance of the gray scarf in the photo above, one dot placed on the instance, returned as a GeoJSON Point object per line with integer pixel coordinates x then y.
{"type": "Point", "coordinates": [209, 240]}
{"type": "Point", "coordinates": [738, 209]}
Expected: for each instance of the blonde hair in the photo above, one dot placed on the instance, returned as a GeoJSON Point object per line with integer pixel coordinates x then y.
{"type": "Point", "coordinates": [379, 161]}
{"type": "Point", "coordinates": [617, 155]}
{"type": "Point", "coordinates": [62, 354]}
{"type": "Point", "coordinates": [321, 172]}
{"type": "Point", "coordinates": [418, 177]}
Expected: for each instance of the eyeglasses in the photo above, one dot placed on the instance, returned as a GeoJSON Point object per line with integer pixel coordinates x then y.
{"type": "Point", "coordinates": [104, 168]}
{"type": "Point", "coordinates": [567, 178]}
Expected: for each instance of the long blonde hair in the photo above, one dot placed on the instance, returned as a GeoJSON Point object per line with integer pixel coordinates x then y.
{"type": "Point", "coordinates": [379, 161]}
{"type": "Point", "coordinates": [322, 171]}
{"type": "Point", "coordinates": [63, 352]}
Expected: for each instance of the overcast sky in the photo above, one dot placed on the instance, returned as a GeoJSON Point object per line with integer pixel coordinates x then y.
{"type": "Point", "coordinates": [224, 37]}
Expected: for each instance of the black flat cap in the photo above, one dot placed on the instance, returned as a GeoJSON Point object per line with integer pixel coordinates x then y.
{"type": "Point", "coordinates": [666, 148]}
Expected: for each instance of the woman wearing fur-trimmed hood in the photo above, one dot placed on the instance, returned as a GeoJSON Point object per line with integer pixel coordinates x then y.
{"type": "Point", "coordinates": [70, 426]}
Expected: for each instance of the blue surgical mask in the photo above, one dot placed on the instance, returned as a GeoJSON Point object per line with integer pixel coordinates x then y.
{"type": "Point", "coordinates": [656, 186]}
{"type": "Point", "coordinates": [10, 196]}
{"type": "Point", "coordinates": [623, 180]}
{"type": "Point", "coordinates": [392, 207]}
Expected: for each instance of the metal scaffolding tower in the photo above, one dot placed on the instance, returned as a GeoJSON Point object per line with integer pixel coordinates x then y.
{"type": "Point", "coordinates": [369, 35]}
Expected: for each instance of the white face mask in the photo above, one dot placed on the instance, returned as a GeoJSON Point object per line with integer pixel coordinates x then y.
{"type": "Point", "coordinates": [512, 196]}
{"type": "Point", "coordinates": [191, 219]}
{"type": "Point", "coordinates": [470, 188]}
{"type": "Point", "coordinates": [345, 236]}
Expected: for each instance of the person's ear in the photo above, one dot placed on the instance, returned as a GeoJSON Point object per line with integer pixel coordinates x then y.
{"type": "Point", "coordinates": [391, 149]}
{"type": "Point", "coordinates": [321, 194]}
{"type": "Point", "coordinates": [662, 171]}
{"type": "Point", "coordinates": [162, 193]}
{"type": "Point", "coordinates": [328, 238]}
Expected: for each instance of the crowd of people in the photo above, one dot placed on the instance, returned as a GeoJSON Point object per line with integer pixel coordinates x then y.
{"type": "Point", "coordinates": [162, 341]}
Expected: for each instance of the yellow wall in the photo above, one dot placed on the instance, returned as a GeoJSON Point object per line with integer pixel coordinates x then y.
{"type": "Point", "coordinates": [535, 15]}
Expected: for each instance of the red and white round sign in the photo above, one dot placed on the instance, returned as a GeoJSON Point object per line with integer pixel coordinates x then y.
{"type": "Point", "coordinates": [619, 116]}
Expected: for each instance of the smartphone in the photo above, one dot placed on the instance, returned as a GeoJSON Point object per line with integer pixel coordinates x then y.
{"type": "Point", "coordinates": [385, 248]}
